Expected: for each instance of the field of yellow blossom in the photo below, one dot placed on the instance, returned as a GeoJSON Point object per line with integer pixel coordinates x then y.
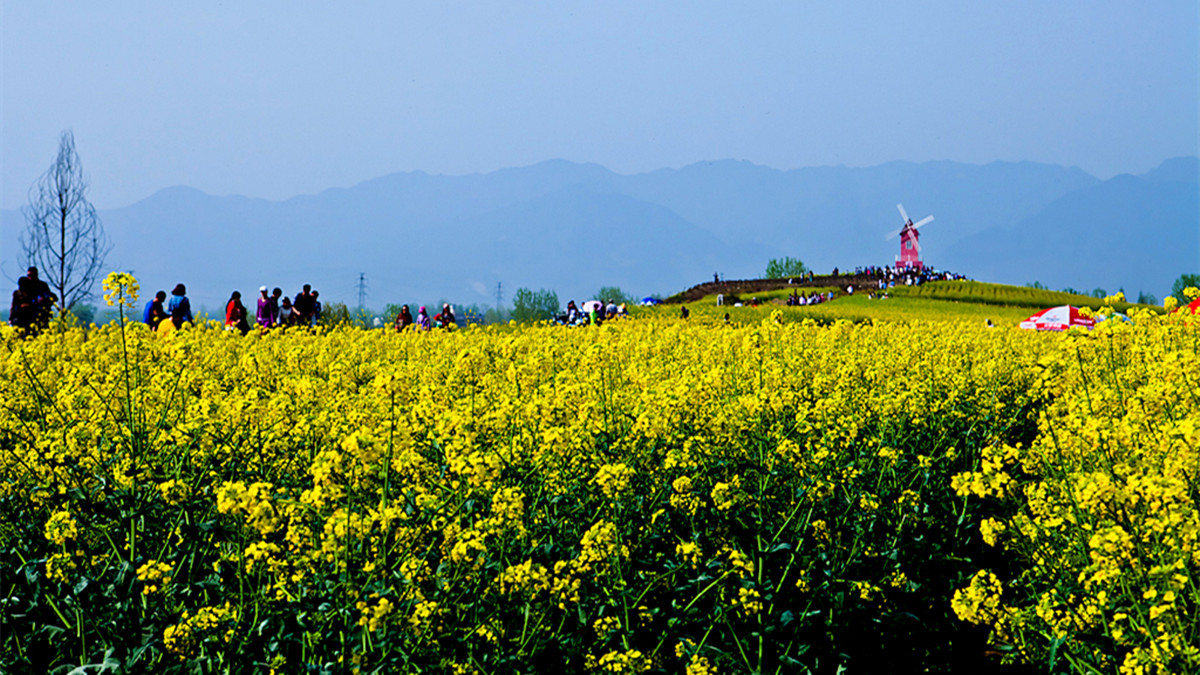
{"type": "Point", "coordinates": [652, 495]}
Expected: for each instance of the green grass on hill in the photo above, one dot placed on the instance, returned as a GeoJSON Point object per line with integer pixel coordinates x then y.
{"type": "Point", "coordinates": [1000, 294]}
{"type": "Point", "coordinates": [899, 308]}
{"type": "Point", "coordinates": [969, 301]}
{"type": "Point", "coordinates": [855, 308]}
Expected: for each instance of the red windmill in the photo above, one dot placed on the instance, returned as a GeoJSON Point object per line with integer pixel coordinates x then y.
{"type": "Point", "coordinates": [910, 245]}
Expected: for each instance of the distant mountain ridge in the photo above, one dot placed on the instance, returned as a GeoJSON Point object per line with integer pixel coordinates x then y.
{"type": "Point", "coordinates": [1138, 233]}
{"type": "Point", "coordinates": [570, 227]}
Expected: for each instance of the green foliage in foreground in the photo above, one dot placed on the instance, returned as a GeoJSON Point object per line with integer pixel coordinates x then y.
{"type": "Point", "coordinates": [793, 513]}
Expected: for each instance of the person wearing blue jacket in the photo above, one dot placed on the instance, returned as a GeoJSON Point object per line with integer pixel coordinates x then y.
{"type": "Point", "coordinates": [179, 308]}
{"type": "Point", "coordinates": [155, 311]}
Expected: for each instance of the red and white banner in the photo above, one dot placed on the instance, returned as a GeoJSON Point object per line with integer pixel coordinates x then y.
{"type": "Point", "coordinates": [1058, 318]}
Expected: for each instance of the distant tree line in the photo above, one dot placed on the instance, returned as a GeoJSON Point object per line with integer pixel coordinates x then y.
{"type": "Point", "coordinates": [543, 305]}
{"type": "Point", "coordinates": [1184, 281]}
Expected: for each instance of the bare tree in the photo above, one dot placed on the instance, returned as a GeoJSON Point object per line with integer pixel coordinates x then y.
{"type": "Point", "coordinates": [63, 237]}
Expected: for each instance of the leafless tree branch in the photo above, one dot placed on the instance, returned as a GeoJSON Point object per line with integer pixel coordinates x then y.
{"type": "Point", "coordinates": [63, 236]}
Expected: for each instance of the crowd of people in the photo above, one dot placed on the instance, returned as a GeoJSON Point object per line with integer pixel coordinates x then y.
{"type": "Point", "coordinates": [888, 277]}
{"type": "Point", "coordinates": [277, 309]}
{"type": "Point", "coordinates": [423, 322]}
{"type": "Point", "coordinates": [797, 299]}
{"type": "Point", "coordinates": [274, 309]}
{"type": "Point", "coordinates": [593, 313]}
{"type": "Point", "coordinates": [33, 304]}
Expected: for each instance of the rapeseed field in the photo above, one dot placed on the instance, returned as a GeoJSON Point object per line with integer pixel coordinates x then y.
{"type": "Point", "coordinates": [651, 495]}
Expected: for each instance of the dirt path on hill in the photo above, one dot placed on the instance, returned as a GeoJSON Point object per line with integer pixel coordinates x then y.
{"type": "Point", "coordinates": [743, 288]}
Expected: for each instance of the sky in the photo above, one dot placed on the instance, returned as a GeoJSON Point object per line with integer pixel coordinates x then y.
{"type": "Point", "coordinates": [272, 99]}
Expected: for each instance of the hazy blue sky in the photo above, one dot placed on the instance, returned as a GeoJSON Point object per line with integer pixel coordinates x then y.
{"type": "Point", "coordinates": [272, 98]}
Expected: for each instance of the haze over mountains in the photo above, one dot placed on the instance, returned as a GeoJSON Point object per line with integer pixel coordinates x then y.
{"type": "Point", "coordinates": [575, 227]}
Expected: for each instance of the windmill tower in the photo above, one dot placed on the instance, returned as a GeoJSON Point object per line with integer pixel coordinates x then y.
{"type": "Point", "coordinates": [910, 241]}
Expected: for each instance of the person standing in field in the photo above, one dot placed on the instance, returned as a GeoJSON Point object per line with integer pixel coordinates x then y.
{"type": "Point", "coordinates": [155, 310]}
{"type": "Point", "coordinates": [276, 294]}
{"type": "Point", "coordinates": [423, 322]}
{"type": "Point", "coordinates": [404, 319]}
{"type": "Point", "coordinates": [264, 316]}
{"type": "Point", "coordinates": [303, 306]}
{"type": "Point", "coordinates": [316, 314]}
{"type": "Point", "coordinates": [20, 314]}
{"type": "Point", "coordinates": [446, 318]}
{"type": "Point", "coordinates": [235, 314]}
{"type": "Point", "coordinates": [179, 308]}
{"type": "Point", "coordinates": [43, 301]}
{"type": "Point", "coordinates": [286, 312]}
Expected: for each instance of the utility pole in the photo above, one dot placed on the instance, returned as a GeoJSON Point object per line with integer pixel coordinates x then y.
{"type": "Point", "coordinates": [499, 296]}
{"type": "Point", "coordinates": [362, 290]}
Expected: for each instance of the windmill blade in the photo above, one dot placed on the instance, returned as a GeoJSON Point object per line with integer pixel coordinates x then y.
{"type": "Point", "coordinates": [924, 221]}
{"type": "Point", "coordinates": [893, 234]}
{"type": "Point", "coordinates": [917, 245]}
{"type": "Point", "coordinates": [903, 213]}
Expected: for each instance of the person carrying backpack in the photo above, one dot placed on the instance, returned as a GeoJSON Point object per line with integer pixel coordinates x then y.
{"type": "Point", "coordinates": [179, 308]}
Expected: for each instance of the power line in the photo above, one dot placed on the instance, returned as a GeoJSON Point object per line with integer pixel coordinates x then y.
{"type": "Point", "coordinates": [362, 290]}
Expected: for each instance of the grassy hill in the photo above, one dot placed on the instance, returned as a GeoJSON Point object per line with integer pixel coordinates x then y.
{"type": "Point", "coordinates": [1002, 294]}
{"type": "Point", "coordinates": [968, 301]}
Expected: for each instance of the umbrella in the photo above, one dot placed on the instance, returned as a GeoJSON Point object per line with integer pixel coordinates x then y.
{"type": "Point", "coordinates": [592, 304]}
{"type": "Point", "coordinates": [651, 301]}
{"type": "Point", "coordinates": [1058, 318]}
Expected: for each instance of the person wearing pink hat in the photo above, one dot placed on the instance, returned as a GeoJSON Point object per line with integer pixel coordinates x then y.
{"type": "Point", "coordinates": [423, 322]}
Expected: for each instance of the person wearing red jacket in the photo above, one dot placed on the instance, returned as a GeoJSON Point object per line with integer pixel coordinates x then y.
{"type": "Point", "coordinates": [235, 314]}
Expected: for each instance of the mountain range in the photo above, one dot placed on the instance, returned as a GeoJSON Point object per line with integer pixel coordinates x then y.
{"type": "Point", "coordinates": [572, 228]}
